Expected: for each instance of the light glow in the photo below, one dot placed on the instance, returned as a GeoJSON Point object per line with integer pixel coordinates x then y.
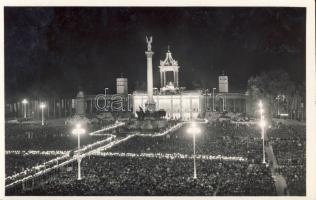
{"type": "Point", "coordinates": [24, 101]}
{"type": "Point", "coordinates": [263, 123]}
{"type": "Point", "coordinates": [194, 129]}
{"type": "Point", "coordinates": [78, 130]}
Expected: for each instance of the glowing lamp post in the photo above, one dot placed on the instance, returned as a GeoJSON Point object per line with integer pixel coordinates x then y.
{"type": "Point", "coordinates": [213, 99]}
{"type": "Point", "coordinates": [262, 124]}
{"type": "Point", "coordinates": [193, 129]}
{"type": "Point", "coordinates": [42, 106]}
{"type": "Point", "coordinates": [78, 131]}
{"type": "Point", "coordinates": [24, 103]}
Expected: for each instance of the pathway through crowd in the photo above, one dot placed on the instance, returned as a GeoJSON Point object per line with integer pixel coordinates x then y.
{"type": "Point", "coordinates": [280, 183]}
{"type": "Point", "coordinates": [25, 176]}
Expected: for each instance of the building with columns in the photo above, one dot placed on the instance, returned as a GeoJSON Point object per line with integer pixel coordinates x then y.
{"type": "Point", "coordinates": [177, 102]}
{"type": "Point", "coordinates": [184, 104]}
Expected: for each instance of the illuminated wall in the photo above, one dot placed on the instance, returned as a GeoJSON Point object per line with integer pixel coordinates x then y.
{"type": "Point", "coordinates": [185, 106]}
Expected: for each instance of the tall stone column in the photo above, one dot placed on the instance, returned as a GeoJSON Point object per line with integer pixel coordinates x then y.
{"type": "Point", "coordinates": [177, 78]}
{"type": "Point", "coordinates": [161, 79]}
{"type": "Point", "coordinates": [150, 105]}
{"type": "Point", "coordinates": [174, 79]}
{"type": "Point", "coordinates": [80, 104]}
{"type": "Point", "coordinates": [164, 79]}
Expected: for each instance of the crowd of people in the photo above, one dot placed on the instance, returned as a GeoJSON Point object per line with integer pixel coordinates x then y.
{"type": "Point", "coordinates": [289, 147]}
{"type": "Point", "coordinates": [18, 163]}
{"type": "Point", "coordinates": [26, 138]}
{"type": "Point", "coordinates": [115, 175]}
{"type": "Point", "coordinates": [219, 138]}
{"type": "Point", "coordinates": [148, 176]}
{"type": "Point", "coordinates": [289, 143]}
{"type": "Point", "coordinates": [295, 178]}
{"type": "Point", "coordinates": [35, 137]}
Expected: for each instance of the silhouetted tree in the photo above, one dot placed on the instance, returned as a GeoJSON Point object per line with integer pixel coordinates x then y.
{"type": "Point", "coordinates": [270, 87]}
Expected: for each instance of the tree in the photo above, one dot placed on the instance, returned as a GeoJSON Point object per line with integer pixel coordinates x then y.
{"type": "Point", "coordinates": [269, 87]}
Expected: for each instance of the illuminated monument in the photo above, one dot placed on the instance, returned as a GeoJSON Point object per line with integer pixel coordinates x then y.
{"type": "Point", "coordinates": [169, 65]}
{"type": "Point", "coordinates": [175, 100]}
{"type": "Point", "coordinates": [150, 104]}
{"type": "Point", "coordinates": [178, 105]}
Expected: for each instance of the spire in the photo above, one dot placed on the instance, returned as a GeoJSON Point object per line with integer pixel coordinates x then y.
{"type": "Point", "coordinates": [168, 60]}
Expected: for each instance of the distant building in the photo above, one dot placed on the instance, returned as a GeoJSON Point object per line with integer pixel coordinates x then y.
{"type": "Point", "coordinates": [188, 104]}
{"type": "Point", "coordinates": [121, 86]}
{"type": "Point", "coordinates": [175, 100]}
{"type": "Point", "coordinates": [223, 83]}
{"type": "Point", "coordinates": [80, 104]}
{"type": "Point", "coordinates": [185, 105]}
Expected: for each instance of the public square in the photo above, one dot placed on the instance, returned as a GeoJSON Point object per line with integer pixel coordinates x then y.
{"type": "Point", "coordinates": [129, 101]}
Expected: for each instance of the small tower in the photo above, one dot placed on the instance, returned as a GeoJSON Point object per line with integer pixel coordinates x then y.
{"type": "Point", "coordinates": [121, 85]}
{"type": "Point", "coordinates": [80, 104]}
{"type": "Point", "coordinates": [223, 83]}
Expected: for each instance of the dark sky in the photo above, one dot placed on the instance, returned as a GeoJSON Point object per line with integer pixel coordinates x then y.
{"type": "Point", "coordinates": [59, 49]}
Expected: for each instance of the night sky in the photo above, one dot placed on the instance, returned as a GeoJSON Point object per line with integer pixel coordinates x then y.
{"type": "Point", "coordinates": [54, 51]}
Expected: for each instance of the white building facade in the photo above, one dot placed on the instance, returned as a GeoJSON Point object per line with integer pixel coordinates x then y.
{"type": "Point", "coordinates": [186, 105]}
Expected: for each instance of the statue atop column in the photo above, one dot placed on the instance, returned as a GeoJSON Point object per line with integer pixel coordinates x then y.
{"type": "Point", "coordinates": [150, 104]}
{"type": "Point", "coordinates": [149, 41]}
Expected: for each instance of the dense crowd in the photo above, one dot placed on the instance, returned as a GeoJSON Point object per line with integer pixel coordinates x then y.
{"type": "Point", "coordinates": [34, 137]}
{"type": "Point", "coordinates": [115, 175]}
{"type": "Point", "coordinates": [18, 163]}
{"type": "Point", "coordinates": [289, 146]}
{"type": "Point", "coordinates": [26, 138]}
{"type": "Point", "coordinates": [295, 178]}
{"type": "Point", "coordinates": [219, 138]}
{"type": "Point", "coordinates": [148, 176]}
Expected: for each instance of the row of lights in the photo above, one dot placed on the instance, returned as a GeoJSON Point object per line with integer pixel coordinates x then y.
{"type": "Point", "coordinates": [78, 130]}
{"type": "Point", "coordinates": [193, 129]}
{"type": "Point", "coordinates": [42, 106]}
{"type": "Point", "coordinates": [262, 124]}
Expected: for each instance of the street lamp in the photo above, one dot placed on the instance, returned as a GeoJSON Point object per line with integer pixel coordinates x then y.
{"type": "Point", "coordinates": [278, 99]}
{"type": "Point", "coordinates": [24, 103]}
{"type": "Point", "coordinates": [262, 124]}
{"type": "Point", "coordinates": [78, 131]}
{"type": "Point", "coordinates": [193, 129]}
{"type": "Point", "coordinates": [213, 99]}
{"type": "Point", "coordinates": [42, 106]}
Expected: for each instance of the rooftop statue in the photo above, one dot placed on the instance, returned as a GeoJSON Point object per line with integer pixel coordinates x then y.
{"type": "Point", "coordinates": [149, 41]}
